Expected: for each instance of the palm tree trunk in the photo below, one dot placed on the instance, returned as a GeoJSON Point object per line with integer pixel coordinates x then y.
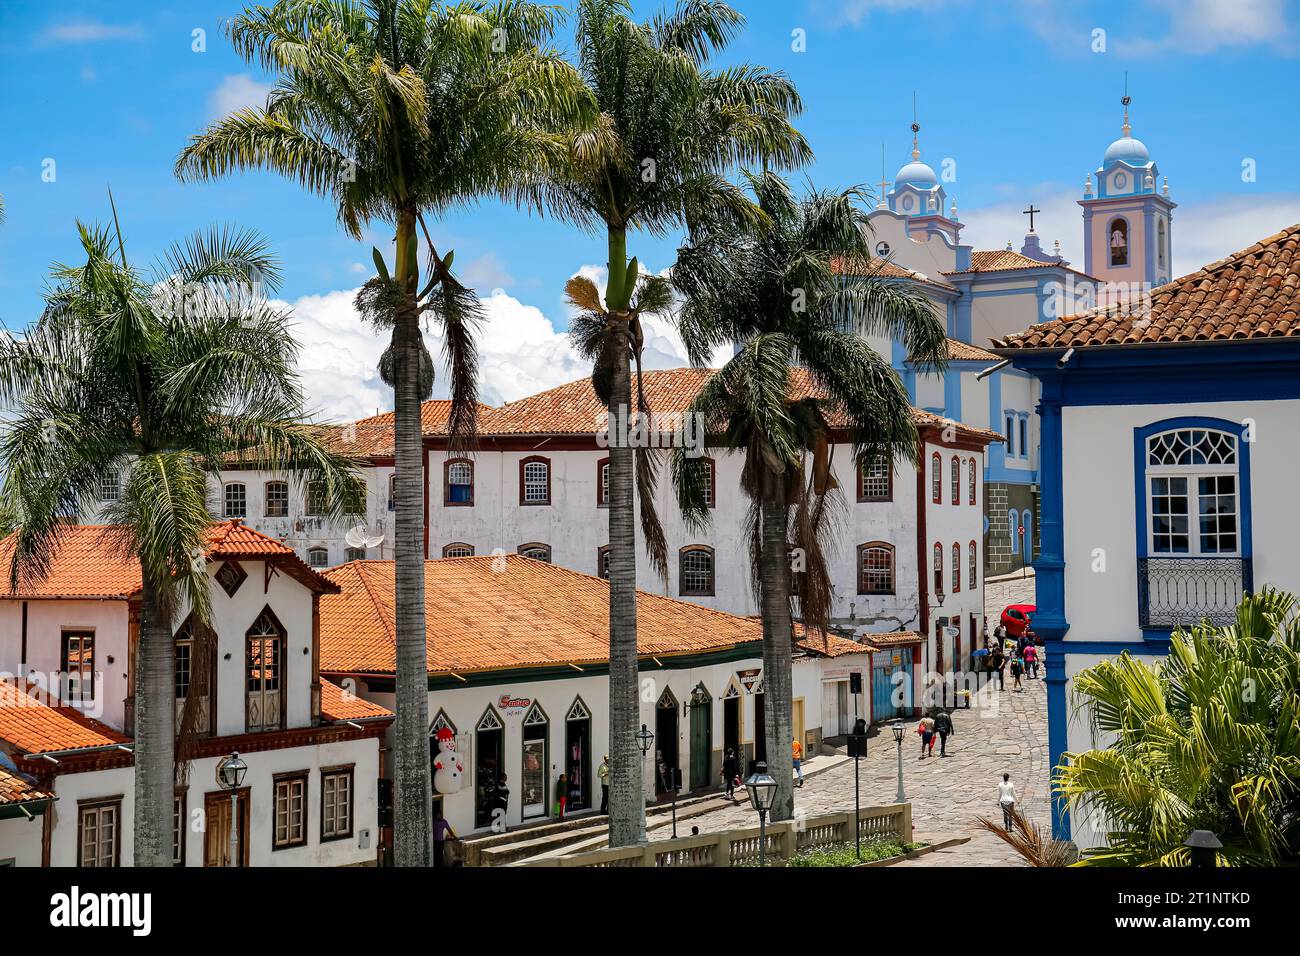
{"type": "Point", "coordinates": [774, 572]}
{"type": "Point", "coordinates": [412, 790]}
{"type": "Point", "coordinates": [155, 733]}
{"type": "Point", "coordinates": [626, 800]}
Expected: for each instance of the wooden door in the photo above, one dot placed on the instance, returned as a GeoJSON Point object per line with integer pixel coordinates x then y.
{"type": "Point", "coordinates": [701, 743]}
{"type": "Point", "coordinates": [216, 835]}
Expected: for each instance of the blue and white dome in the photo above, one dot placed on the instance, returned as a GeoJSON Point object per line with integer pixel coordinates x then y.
{"type": "Point", "coordinates": [1128, 150]}
{"type": "Point", "coordinates": [916, 173]}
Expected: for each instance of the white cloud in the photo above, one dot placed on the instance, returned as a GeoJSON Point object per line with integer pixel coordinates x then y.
{"type": "Point", "coordinates": [486, 272]}
{"type": "Point", "coordinates": [1203, 26]}
{"type": "Point", "coordinates": [235, 92]}
{"type": "Point", "coordinates": [90, 31]}
{"type": "Point", "coordinates": [521, 352]}
{"type": "Point", "coordinates": [1203, 231]}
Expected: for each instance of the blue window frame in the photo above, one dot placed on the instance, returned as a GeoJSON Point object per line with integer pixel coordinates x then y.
{"type": "Point", "coordinates": [1024, 436]}
{"type": "Point", "coordinates": [1027, 522]}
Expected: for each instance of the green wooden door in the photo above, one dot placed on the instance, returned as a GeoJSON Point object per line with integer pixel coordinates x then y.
{"type": "Point", "coordinates": [701, 743]}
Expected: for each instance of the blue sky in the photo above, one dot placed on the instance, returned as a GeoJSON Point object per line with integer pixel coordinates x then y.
{"type": "Point", "coordinates": [1013, 92]}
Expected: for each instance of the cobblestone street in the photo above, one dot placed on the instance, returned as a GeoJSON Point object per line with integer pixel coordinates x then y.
{"type": "Point", "coordinates": [1002, 732]}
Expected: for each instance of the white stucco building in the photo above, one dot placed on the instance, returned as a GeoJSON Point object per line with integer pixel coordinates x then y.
{"type": "Point", "coordinates": [1170, 442]}
{"type": "Point", "coordinates": [67, 650]}
{"type": "Point", "coordinates": [518, 655]}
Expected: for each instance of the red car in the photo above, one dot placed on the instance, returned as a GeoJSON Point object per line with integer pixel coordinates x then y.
{"type": "Point", "coordinates": [1017, 617]}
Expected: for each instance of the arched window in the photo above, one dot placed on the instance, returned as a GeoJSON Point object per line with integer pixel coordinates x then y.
{"type": "Point", "coordinates": [1027, 522]}
{"type": "Point", "coordinates": [535, 481]}
{"type": "Point", "coordinates": [956, 480]}
{"type": "Point", "coordinates": [441, 722]}
{"type": "Point", "coordinates": [1013, 529]}
{"type": "Point", "coordinates": [1192, 492]}
{"type": "Point", "coordinates": [315, 498]}
{"type": "Point", "coordinates": [972, 555]}
{"type": "Point", "coordinates": [602, 562]}
{"type": "Point", "coordinates": [876, 568]}
{"type": "Point", "coordinates": [696, 571]}
{"type": "Point", "coordinates": [709, 479]}
{"type": "Point", "coordinates": [602, 483]}
{"type": "Point", "coordinates": [536, 550]}
{"type": "Point", "coordinates": [938, 566]}
{"type": "Point", "coordinates": [1117, 239]}
{"type": "Point", "coordinates": [193, 674]}
{"type": "Point", "coordinates": [956, 568]}
{"type": "Point", "coordinates": [318, 557]}
{"type": "Point", "coordinates": [236, 500]}
{"type": "Point", "coordinates": [458, 482]}
{"type": "Point", "coordinates": [1160, 244]}
{"type": "Point", "coordinates": [265, 661]}
{"type": "Point", "coordinates": [277, 499]}
{"type": "Point", "coordinates": [875, 479]}
{"type": "Point", "coordinates": [458, 549]}
{"type": "Point", "coordinates": [974, 499]}
{"type": "Point", "coordinates": [354, 554]}
{"type": "Point", "coordinates": [936, 479]}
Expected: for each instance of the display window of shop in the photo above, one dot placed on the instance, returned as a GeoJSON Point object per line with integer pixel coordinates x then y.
{"type": "Point", "coordinates": [491, 786]}
{"type": "Point", "coordinates": [534, 763]}
{"type": "Point", "coordinates": [577, 755]}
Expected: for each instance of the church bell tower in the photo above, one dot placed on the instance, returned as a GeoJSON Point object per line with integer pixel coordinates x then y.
{"type": "Point", "coordinates": [1127, 221]}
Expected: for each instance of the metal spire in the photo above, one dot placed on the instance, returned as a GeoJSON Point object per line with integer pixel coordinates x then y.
{"type": "Point", "coordinates": [1126, 100]}
{"type": "Point", "coordinates": [884, 184]}
{"type": "Point", "coordinates": [916, 128]}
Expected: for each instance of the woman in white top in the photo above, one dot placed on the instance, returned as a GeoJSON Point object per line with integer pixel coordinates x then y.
{"type": "Point", "coordinates": [1007, 799]}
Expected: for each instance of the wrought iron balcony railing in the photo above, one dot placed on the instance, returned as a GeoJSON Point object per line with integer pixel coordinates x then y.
{"type": "Point", "coordinates": [1174, 591]}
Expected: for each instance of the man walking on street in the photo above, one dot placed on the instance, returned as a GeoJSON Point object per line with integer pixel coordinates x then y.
{"type": "Point", "coordinates": [603, 772]}
{"type": "Point", "coordinates": [1007, 800]}
{"type": "Point", "coordinates": [798, 761]}
{"type": "Point", "coordinates": [943, 727]}
{"type": "Point", "coordinates": [999, 662]}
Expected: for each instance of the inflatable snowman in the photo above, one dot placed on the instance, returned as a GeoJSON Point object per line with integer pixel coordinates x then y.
{"type": "Point", "coordinates": [448, 772]}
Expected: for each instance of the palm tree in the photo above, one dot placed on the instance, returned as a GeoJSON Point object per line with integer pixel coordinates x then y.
{"type": "Point", "coordinates": [803, 373]}
{"type": "Point", "coordinates": [669, 130]}
{"type": "Point", "coordinates": [1208, 739]}
{"type": "Point", "coordinates": [398, 110]}
{"type": "Point", "coordinates": [158, 379]}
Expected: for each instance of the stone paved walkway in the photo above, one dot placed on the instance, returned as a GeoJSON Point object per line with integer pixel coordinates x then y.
{"type": "Point", "coordinates": [1002, 732]}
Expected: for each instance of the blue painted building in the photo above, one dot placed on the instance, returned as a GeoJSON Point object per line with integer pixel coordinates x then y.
{"type": "Point", "coordinates": [1170, 441]}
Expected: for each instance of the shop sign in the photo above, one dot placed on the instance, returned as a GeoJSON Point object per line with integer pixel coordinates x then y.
{"type": "Point", "coordinates": [749, 678]}
{"type": "Point", "coordinates": [512, 705]}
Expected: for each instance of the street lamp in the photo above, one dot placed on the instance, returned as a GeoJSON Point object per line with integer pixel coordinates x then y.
{"type": "Point", "coordinates": [897, 727]}
{"type": "Point", "coordinates": [230, 775]}
{"type": "Point", "coordinates": [857, 750]}
{"type": "Point", "coordinates": [1203, 848]}
{"type": "Point", "coordinates": [645, 739]}
{"type": "Point", "coordinates": [761, 786]}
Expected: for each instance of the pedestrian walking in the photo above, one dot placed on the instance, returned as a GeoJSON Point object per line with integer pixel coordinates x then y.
{"type": "Point", "coordinates": [999, 664]}
{"type": "Point", "coordinates": [943, 727]}
{"type": "Point", "coordinates": [1031, 661]}
{"type": "Point", "coordinates": [798, 761]}
{"type": "Point", "coordinates": [1007, 800]}
{"type": "Point", "coordinates": [730, 773]}
{"type": "Point", "coordinates": [441, 831]}
{"type": "Point", "coordinates": [926, 730]}
{"type": "Point", "coordinates": [1017, 668]}
{"type": "Point", "coordinates": [561, 795]}
{"type": "Point", "coordinates": [603, 772]}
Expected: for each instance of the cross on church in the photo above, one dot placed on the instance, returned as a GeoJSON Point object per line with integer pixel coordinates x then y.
{"type": "Point", "coordinates": [1030, 213]}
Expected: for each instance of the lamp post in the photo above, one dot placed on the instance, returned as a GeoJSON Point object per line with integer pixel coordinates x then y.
{"type": "Point", "coordinates": [857, 750]}
{"type": "Point", "coordinates": [761, 786]}
{"type": "Point", "coordinates": [645, 739]}
{"type": "Point", "coordinates": [897, 727]}
{"type": "Point", "coordinates": [230, 775]}
{"type": "Point", "coordinates": [1203, 848]}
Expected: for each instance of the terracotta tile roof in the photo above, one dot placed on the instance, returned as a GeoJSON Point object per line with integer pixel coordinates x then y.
{"type": "Point", "coordinates": [921, 417]}
{"type": "Point", "coordinates": [1001, 260]}
{"type": "Point", "coordinates": [831, 645]}
{"type": "Point", "coordinates": [959, 351]}
{"type": "Point", "coordinates": [888, 269]}
{"type": "Point", "coordinates": [889, 639]}
{"type": "Point", "coordinates": [1252, 294]}
{"type": "Point", "coordinates": [338, 704]}
{"type": "Point", "coordinates": [33, 726]}
{"type": "Point", "coordinates": [573, 409]}
{"type": "Point", "coordinates": [434, 415]}
{"type": "Point", "coordinates": [15, 789]}
{"type": "Point", "coordinates": [481, 616]}
{"type": "Point", "coordinates": [87, 564]}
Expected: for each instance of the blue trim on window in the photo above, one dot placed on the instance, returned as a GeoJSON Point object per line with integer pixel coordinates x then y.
{"type": "Point", "coordinates": [1027, 522]}
{"type": "Point", "coordinates": [1140, 436]}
